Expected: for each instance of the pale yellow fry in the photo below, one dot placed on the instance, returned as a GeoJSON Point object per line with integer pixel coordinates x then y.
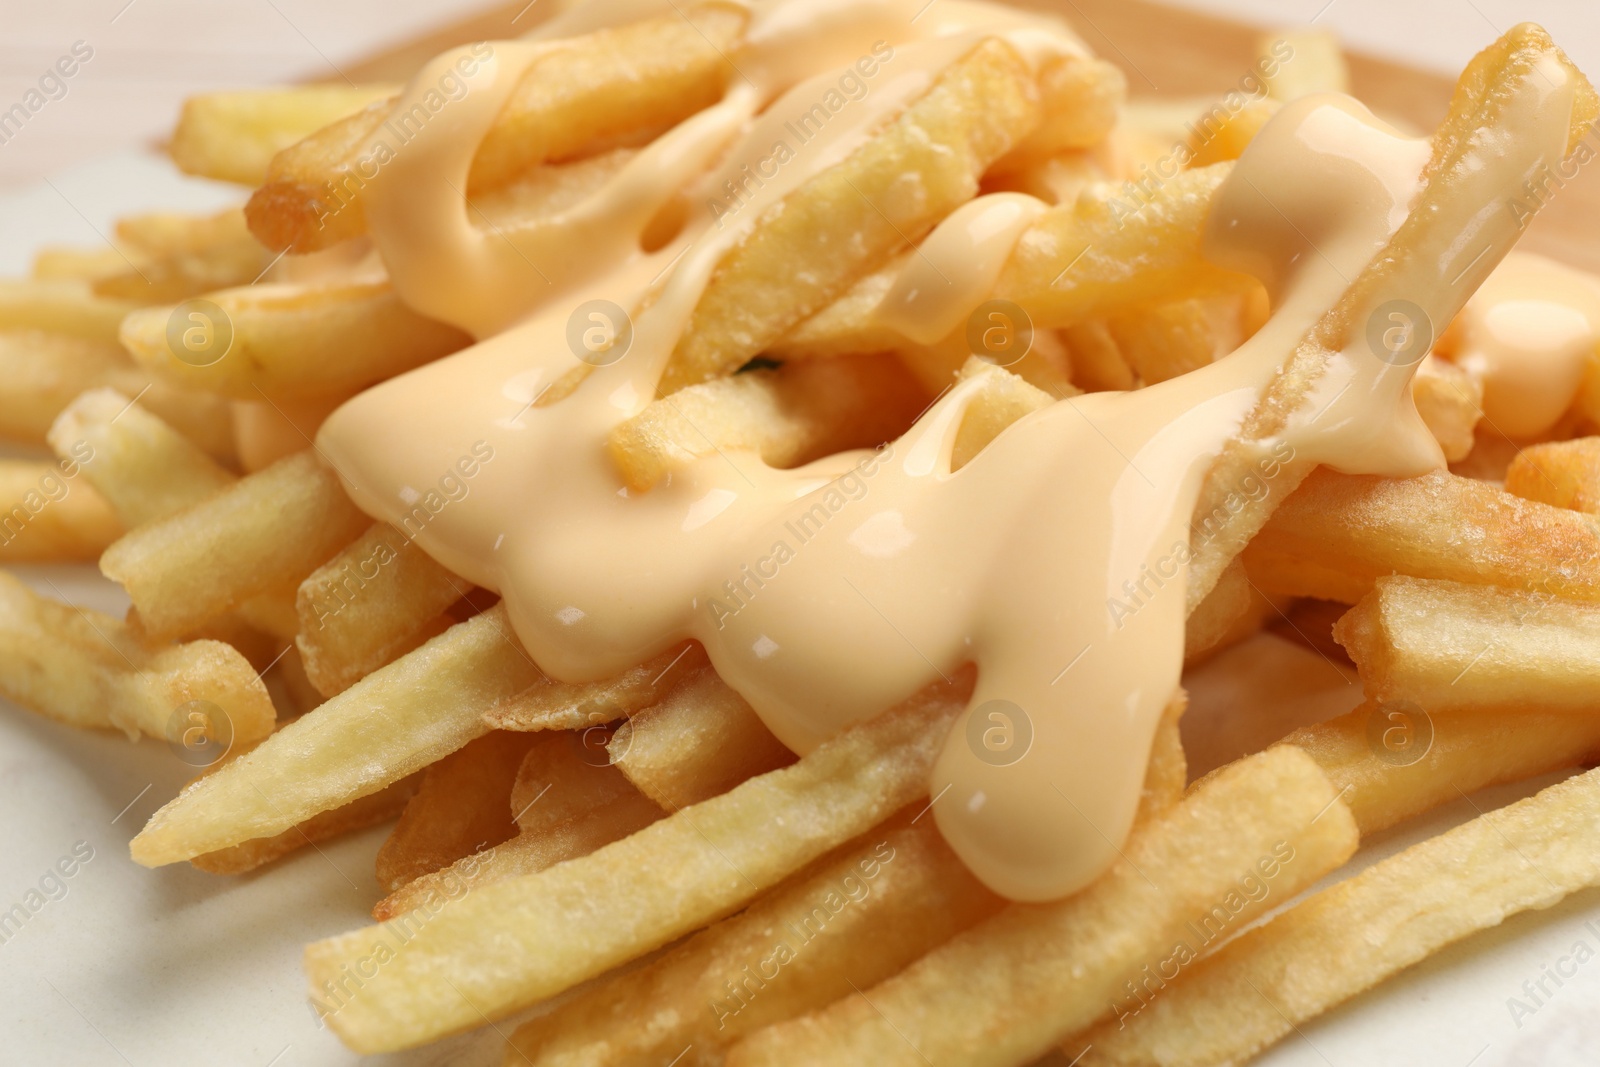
{"type": "Point", "coordinates": [1402, 765]}
{"type": "Point", "coordinates": [1308, 60]}
{"type": "Point", "coordinates": [792, 264]}
{"type": "Point", "coordinates": [185, 256]}
{"type": "Point", "coordinates": [291, 342]}
{"type": "Point", "coordinates": [61, 306]}
{"type": "Point", "coordinates": [462, 805]}
{"type": "Point", "coordinates": [856, 917]}
{"type": "Point", "coordinates": [1565, 474]}
{"type": "Point", "coordinates": [144, 468]}
{"type": "Point", "coordinates": [87, 669]}
{"type": "Point", "coordinates": [1338, 533]}
{"type": "Point", "coordinates": [634, 79]}
{"type": "Point", "coordinates": [789, 415]}
{"type": "Point", "coordinates": [51, 513]}
{"type": "Point", "coordinates": [1082, 99]}
{"type": "Point", "coordinates": [1003, 400]}
{"type": "Point", "coordinates": [1450, 402]}
{"type": "Point", "coordinates": [529, 852]}
{"type": "Point", "coordinates": [563, 777]}
{"type": "Point", "coordinates": [376, 600]}
{"type": "Point", "coordinates": [507, 945]}
{"type": "Point", "coordinates": [232, 136]}
{"type": "Point", "coordinates": [553, 705]}
{"type": "Point", "coordinates": [359, 814]}
{"type": "Point", "coordinates": [1445, 645]}
{"type": "Point", "coordinates": [701, 740]}
{"type": "Point", "coordinates": [1443, 249]}
{"type": "Point", "coordinates": [66, 263]}
{"type": "Point", "coordinates": [1006, 990]}
{"type": "Point", "coordinates": [1258, 988]}
{"type": "Point", "coordinates": [262, 533]}
{"type": "Point", "coordinates": [412, 713]}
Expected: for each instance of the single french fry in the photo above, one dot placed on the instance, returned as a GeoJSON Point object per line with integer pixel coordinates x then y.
{"type": "Point", "coordinates": [285, 341]}
{"type": "Point", "coordinates": [509, 944]}
{"type": "Point", "coordinates": [144, 468]}
{"type": "Point", "coordinates": [789, 415]}
{"type": "Point", "coordinates": [379, 598]}
{"type": "Point", "coordinates": [196, 255]}
{"type": "Point", "coordinates": [1220, 134]}
{"type": "Point", "coordinates": [262, 533]}
{"type": "Point", "coordinates": [41, 373]}
{"type": "Point", "coordinates": [1004, 399]}
{"type": "Point", "coordinates": [1009, 988]}
{"type": "Point", "coordinates": [1406, 763]}
{"type": "Point", "coordinates": [791, 266]}
{"type": "Point", "coordinates": [553, 705]}
{"type": "Point", "coordinates": [1450, 402]}
{"type": "Point", "coordinates": [1564, 474]}
{"type": "Point", "coordinates": [699, 742]}
{"type": "Point", "coordinates": [1337, 534]}
{"type": "Point", "coordinates": [1427, 254]}
{"type": "Point", "coordinates": [1176, 337]}
{"type": "Point", "coordinates": [67, 307]}
{"type": "Point", "coordinates": [1445, 645]}
{"type": "Point", "coordinates": [391, 724]}
{"type": "Point", "coordinates": [529, 852]}
{"type": "Point", "coordinates": [86, 669]}
{"type": "Point", "coordinates": [49, 513]}
{"type": "Point", "coordinates": [67, 263]}
{"type": "Point", "coordinates": [1260, 987]}
{"type": "Point", "coordinates": [1097, 363]}
{"type": "Point", "coordinates": [633, 79]}
{"type": "Point", "coordinates": [232, 136]}
{"type": "Point", "coordinates": [462, 806]}
{"type": "Point", "coordinates": [1082, 99]}
{"type": "Point", "coordinates": [854, 918]}
{"type": "Point", "coordinates": [1167, 774]}
{"type": "Point", "coordinates": [359, 814]}
{"type": "Point", "coordinates": [1309, 61]}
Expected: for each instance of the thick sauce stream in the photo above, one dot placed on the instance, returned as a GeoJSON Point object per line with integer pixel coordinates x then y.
{"type": "Point", "coordinates": [828, 593]}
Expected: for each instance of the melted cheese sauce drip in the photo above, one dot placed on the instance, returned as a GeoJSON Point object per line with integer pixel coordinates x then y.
{"type": "Point", "coordinates": [1529, 335]}
{"type": "Point", "coordinates": [827, 593]}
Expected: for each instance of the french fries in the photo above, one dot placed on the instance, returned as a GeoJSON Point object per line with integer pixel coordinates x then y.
{"type": "Point", "coordinates": [1564, 474]}
{"type": "Point", "coordinates": [506, 945]}
{"type": "Point", "coordinates": [87, 669]}
{"type": "Point", "coordinates": [62, 306]}
{"type": "Point", "coordinates": [51, 515]}
{"type": "Point", "coordinates": [552, 705]}
{"type": "Point", "coordinates": [232, 136]}
{"type": "Point", "coordinates": [393, 723]}
{"type": "Point", "coordinates": [1261, 986]}
{"type": "Point", "coordinates": [359, 814]}
{"type": "Point", "coordinates": [1009, 988]}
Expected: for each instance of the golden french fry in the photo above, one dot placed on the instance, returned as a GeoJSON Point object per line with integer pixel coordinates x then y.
{"type": "Point", "coordinates": [144, 468]}
{"type": "Point", "coordinates": [1337, 534]}
{"type": "Point", "coordinates": [88, 670]}
{"type": "Point", "coordinates": [1426, 255]}
{"type": "Point", "coordinates": [375, 601]}
{"type": "Point", "coordinates": [509, 944]}
{"type": "Point", "coordinates": [232, 136]}
{"type": "Point", "coordinates": [1220, 135]}
{"type": "Point", "coordinates": [552, 705]}
{"type": "Point", "coordinates": [359, 814]}
{"type": "Point", "coordinates": [1444, 645]}
{"type": "Point", "coordinates": [1003, 400]}
{"type": "Point", "coordinates": [1564, 474]}
{"type": "Point", "coordinates": [262, 533]}
{"type": "Point", "coordinates": [41, 373]}
{"type": "Point", "coordinates": [1309, 61]}
{"type": "Point", "coordinates": [790, 266]}
{"type": "Point", "coordinates": [1261, 986]}
{"type": "Point", "coordinates": [66, 307]}
{"type": "Point", "coordinates": [1082, 100]}
{"type": "Point", "coordinates": [1391, 763]}
{"type": "Point", "coordinates": [699, 742]}
{"type": "Point", "coordinates": [1009, 988]}
{"type": "Point", "coordinates": [294, 342]}
{"type": "Point", "coordinates": [391, 724]}
{"type": "Point", "coordinates": [529, 852]}
{"type": "Point", "coordinates": [195, 255]}
{"type": "Point", "coordinates": [636, 78]}
{"type": "Point", "coordinates": [463, 805]}
{"type": "Point", "coordinates": [789, 415]}
{"type": "Point", "coordinates": [1450, 401]}
{"type": "Point", "coordinates": [851, 919]}
{"type": "Point", "coordinates": [51, 514]}
{"type": "Point", "coordinates": [64, 263]}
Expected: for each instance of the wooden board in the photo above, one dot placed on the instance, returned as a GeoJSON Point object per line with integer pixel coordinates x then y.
{"type": "Point", "coordinates": [1164, 51]}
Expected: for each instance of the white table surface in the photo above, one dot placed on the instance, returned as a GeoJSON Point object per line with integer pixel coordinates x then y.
{"type": "Point", "coordinates": [176, 967]}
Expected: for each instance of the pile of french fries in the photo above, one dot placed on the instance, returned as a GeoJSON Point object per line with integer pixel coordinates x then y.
{"type": "Point", "coordinates": [646, 837]}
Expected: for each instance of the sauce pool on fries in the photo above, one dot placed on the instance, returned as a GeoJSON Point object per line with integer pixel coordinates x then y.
{"type": "Point", "coordinates": [1055, 560]}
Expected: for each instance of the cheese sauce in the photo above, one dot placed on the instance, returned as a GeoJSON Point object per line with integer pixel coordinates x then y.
{"type": "Point", "coordinates": [827, 593]}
